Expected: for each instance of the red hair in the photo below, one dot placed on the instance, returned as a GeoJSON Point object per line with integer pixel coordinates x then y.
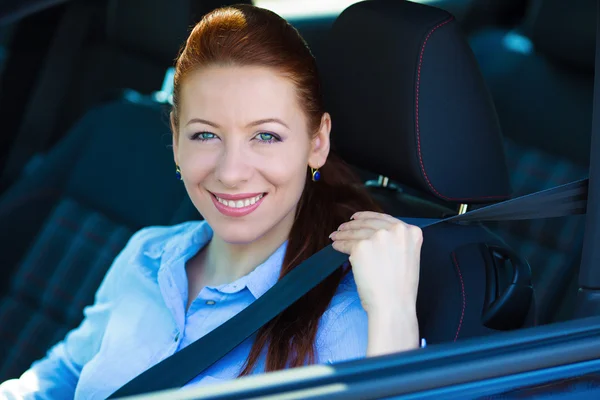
{"type": "Point", "coordinates": [245, 35]}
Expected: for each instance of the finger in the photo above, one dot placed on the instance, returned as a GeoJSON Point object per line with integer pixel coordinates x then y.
{"type": "Point", "coordinates": [369, 223]}
{"type": "Point", "coordinates": [363, 215]}
{"type": "Point", "coordinates": [344, 246]}
{"type": "Point", "coordinates": [409, 231]}
{"type": "Point", "coordinates": [374, 215]}
{"type": "Point", "coordinates": [353, 234]}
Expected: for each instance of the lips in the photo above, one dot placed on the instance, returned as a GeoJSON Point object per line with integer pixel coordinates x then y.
{"type": "Point", "coordinates": [237, 205]}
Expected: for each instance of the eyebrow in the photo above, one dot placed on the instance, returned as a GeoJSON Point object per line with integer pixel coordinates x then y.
{"type": "Point", "coordinates": [255, 123]}
{"type": "Point", "coordinates": [202, 121]}
{"type": "Point", "coordinates": [267, 120]}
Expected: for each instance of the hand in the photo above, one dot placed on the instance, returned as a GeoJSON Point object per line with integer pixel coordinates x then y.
{"type": "Point", "coordinates": [385, 256]}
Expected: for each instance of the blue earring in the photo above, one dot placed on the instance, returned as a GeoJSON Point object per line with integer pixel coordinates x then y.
{"type": "Point", "coordinates": [316, 175]}
{"type": "Point", "coordinates": [178, 173]}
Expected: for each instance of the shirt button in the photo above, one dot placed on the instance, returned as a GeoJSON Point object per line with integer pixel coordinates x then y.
{"type": "Point", "coordinates": [210, 302]}
{"type": "Point", "coordinates": [176, 338]}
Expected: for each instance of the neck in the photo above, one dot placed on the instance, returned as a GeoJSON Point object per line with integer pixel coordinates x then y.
{"type": "Point", "coordinates": [226, 262]}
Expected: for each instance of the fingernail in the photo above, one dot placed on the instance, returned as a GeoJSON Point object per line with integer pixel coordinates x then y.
{"type": "Point", "coordinates": [332, 236]}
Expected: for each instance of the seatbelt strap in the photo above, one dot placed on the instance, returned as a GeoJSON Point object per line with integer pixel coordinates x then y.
{"type": "Point", "coordinates": [567, 199]}
{"type": "Point", "coordinates": [183, 366]}
{"type": "Point", "coordinates": [43, 108]}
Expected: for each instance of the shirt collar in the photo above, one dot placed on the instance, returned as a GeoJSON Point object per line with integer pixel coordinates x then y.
{"type": "Point", "coordinates": [261, 279]}
{"type": "Point", "coordinates": [189, 241]}
{"type": "Point", "coordinates": [193, 236]}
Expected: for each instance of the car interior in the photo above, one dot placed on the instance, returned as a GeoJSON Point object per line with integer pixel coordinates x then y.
{"type": "Point", "coordinates": [441, 106]}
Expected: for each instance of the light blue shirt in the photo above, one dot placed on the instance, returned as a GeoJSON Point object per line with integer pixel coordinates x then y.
{"type": "Point", "coordinates": [139, 318]}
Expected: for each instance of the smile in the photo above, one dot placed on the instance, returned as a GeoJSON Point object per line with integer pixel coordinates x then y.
{"type": "Point", "coordinates": [240, 203]}
{"type": "Point", "coordinates": [237, 205]}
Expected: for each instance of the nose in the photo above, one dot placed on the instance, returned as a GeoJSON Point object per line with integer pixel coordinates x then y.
{"type": "Point", "coordinates": [232, 168]}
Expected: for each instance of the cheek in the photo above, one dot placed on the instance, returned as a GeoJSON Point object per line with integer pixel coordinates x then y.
{"type": "Point", "coordinates": [285, 169]}
{"type": "Point", "coordinates": [196, 165]}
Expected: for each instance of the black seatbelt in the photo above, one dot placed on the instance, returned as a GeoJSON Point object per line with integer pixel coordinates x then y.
{"type": "Point", "coordinates": [43, 108]}
{"type": "Point", "coordinates": [559, 201]}
{"type": "Point", "coordinates": [185, 365]}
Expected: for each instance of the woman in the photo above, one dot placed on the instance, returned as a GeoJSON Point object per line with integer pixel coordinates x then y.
{"type": "Point", "coordinates": [251, 145]}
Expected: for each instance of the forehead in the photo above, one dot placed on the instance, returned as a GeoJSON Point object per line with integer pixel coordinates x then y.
{"type": "Point", "coordinates": [242, 93]}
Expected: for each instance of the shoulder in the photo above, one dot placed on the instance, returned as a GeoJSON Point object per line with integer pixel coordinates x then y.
{"type": "Point", "coordinates": [343, 327]}
{"type": "Point", "coordinates": [142, 253]}
{"type": "Point", "coordinates": [148, 245]}
{"type": "Point", "coordinates": [158, 238]}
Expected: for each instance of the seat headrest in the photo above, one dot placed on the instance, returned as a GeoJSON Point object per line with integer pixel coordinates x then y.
{"type": "Point", "coordinates": [157, 30]}
{"type": "Point", "coordinates": [408, 102]}
{"type": "Point", "coordinates": [565, 32]}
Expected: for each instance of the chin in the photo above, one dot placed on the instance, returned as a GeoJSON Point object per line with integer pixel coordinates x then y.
{"type": "Point", "coordinates": [236, 232]}
{"type": "Point", "coordinates": [247, 229]}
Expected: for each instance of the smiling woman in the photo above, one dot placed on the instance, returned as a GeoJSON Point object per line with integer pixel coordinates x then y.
{"type": "Point", "coordinates": [251, 145]}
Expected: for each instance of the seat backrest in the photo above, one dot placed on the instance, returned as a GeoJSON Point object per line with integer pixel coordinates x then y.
{"type": "Point", "coordinates": [64, 223]}
{"type": "Point", "coordinates": [135, 46]}
{"type": "Point", "coordinates": [130, 48]}
{"type": "Point", "coordinates": [540, 75]}
{"type": "Point", "coordinates": [408, 101]}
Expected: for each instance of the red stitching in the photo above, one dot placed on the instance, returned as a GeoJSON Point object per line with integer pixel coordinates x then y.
{"type": "Point", "coordinates": [417, 120]}
{"type": "Point", "coordinates": [464, 297]}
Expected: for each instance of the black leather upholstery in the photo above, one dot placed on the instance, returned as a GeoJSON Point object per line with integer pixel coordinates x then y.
{"type": "Point", "coordinates": [408, 101]}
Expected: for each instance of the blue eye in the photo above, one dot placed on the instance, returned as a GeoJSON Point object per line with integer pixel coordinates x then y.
{"type": "Point", "coordinates": [265, 137]}
{"type": "Point", "coordinates": [203, 136]}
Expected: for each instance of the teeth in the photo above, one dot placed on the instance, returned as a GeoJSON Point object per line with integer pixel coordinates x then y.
{"type": "Point", "coordinates": [240, 203]}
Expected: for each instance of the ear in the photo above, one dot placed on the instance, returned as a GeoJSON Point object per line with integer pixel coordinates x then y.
{"type": "Point", "coordinates": [320, 144]}
{"type": "Point", "coordinates": [175, 136]}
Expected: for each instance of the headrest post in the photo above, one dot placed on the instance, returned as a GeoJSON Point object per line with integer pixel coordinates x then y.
{"type": "Point", "coordinates": [383, 181]}
{"type": "Point", "coordinates": [463, 208]}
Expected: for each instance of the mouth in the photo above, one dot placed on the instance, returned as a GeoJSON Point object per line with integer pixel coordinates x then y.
{"type": "Point", "coordinates": [237, 205]}
{"type": "Point", "coordinates": [240, 203]}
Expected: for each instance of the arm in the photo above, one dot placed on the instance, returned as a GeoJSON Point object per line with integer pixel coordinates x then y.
{"type": "Point", "coordinates": [56, 375]}
{"type": "Point", "coordinates": [348, 332]}
{"type": "Point", "coordinates": [385, 257]}
{"type": "Point", "coordinates": [392, 331]}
